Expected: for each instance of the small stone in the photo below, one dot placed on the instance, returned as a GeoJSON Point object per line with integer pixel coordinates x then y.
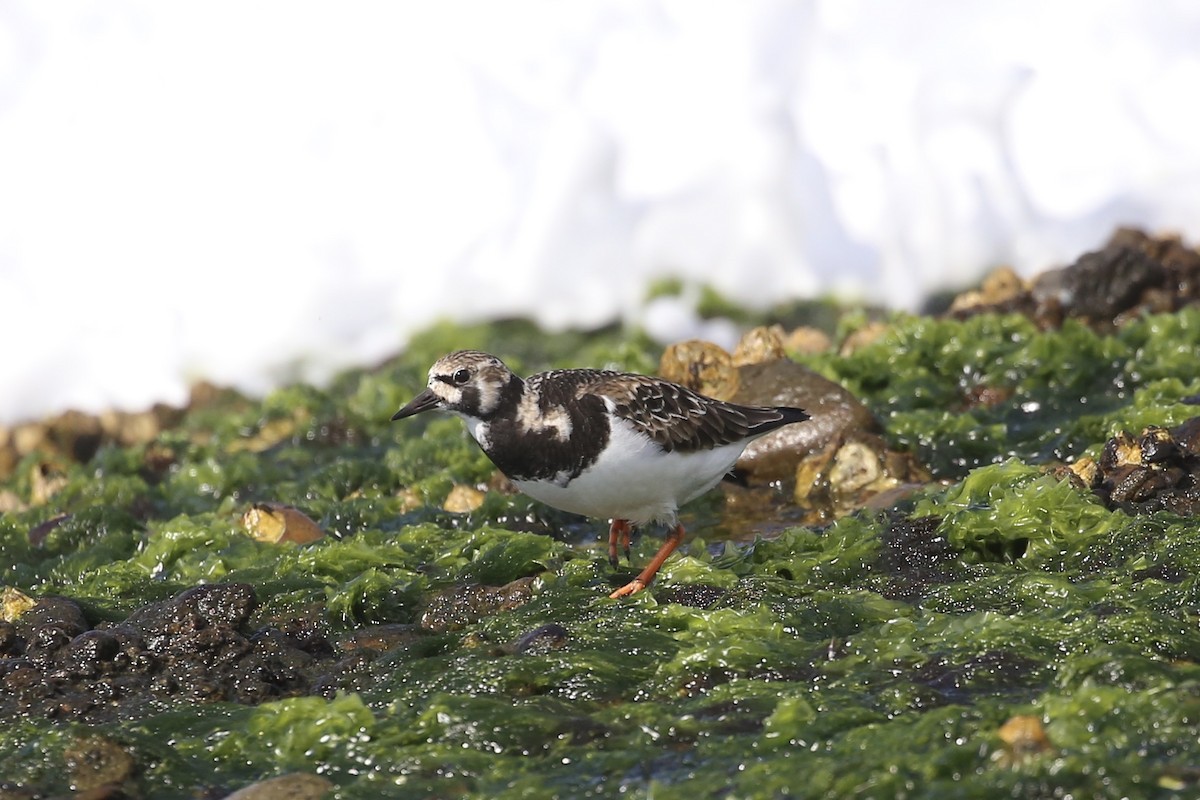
{"type": "Point", "coordinates": [855, 467]}
{"type": "Point", "coordinates": [759, 345]}
{"type": "Point", "coordinates": [807, 341]}
{"type": "Point", "coordinates": [463, 499]}
{"type": "Point", "coordinates": [1087, 470]}
{"type": "Point", "coordinates": [276, 522]}
{"type": "Point", "coordinates": [14, 603]}
{"type": "Point", "coordinates": [867, 334]}
{"type": "Point", "coordinates": [1023, 737]}
{"type": "Point", "coordinates": [702, 367]}
{"type": "Point", "coordinates": [410, 500]}
{"type": "Point", "coordinates": [46, 479]}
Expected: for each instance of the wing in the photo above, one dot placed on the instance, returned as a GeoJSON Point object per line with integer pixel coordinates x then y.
{"type": "Point", "coordinates": [679, 419]}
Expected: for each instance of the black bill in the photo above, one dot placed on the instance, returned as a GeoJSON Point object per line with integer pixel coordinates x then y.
{"type": "Point", "coordinates": [422, 402]}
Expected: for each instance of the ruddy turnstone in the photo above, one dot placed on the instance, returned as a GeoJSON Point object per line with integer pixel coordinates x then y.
{"type": "Point", "coordinates": [623, 447]}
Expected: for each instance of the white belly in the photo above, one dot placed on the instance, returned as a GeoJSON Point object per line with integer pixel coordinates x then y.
{"type": "Point", "coordinates": [635, 480]}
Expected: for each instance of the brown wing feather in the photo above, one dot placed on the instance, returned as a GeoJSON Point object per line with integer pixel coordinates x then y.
{"type": "Point", "coordinates": [679, 419]}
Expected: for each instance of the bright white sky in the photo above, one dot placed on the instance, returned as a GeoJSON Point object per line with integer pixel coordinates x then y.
{"type": "Point", "coordinates": [256, 192]}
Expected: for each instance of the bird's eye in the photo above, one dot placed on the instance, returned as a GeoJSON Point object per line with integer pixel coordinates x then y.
{"type": "Point", "coordinates": [461, 377]}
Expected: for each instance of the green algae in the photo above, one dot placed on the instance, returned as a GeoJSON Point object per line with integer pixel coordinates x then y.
{"type": "Point", "coordinates": [795, 667]}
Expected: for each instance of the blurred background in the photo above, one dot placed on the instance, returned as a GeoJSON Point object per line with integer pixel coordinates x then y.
{"type": "Point", "coordinates": [252, 193]}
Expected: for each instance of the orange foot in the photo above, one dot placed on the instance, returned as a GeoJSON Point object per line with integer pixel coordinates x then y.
{"type": "Point", "coordinates": [674, 537]}
{"type": "Point", "coordinates": [619, 532]}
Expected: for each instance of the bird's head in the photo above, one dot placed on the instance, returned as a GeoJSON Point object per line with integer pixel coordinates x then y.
{"type": "Point", "coordinates": [466, 382]}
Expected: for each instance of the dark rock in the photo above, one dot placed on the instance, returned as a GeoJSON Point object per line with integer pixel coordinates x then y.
{"type": "Point", "coordinates": [550, 636]}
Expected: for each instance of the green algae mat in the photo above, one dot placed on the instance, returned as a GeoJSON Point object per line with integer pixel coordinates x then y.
{"type": "Point", "coordinates": [1002, 632]}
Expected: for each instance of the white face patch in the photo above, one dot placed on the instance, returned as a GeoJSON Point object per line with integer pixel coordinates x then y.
{"type": "Point", "coordinates": [531, 418]}
{"type": "Point", "coordinates": [485, 378]}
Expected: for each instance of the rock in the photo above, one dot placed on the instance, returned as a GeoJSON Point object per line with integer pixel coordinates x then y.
{"type": "Point", "coordinates": [1002, 287]}
{"type": "Point", "coordinates": [550, 636]}
{"type": "Point", "coordinates": [835, 413]}
{"type": "Point", "coordinates": [381, 638]}
{"type": "Point", "coordinates": [1132, 274]}
{"type": "Point", "coordinates": [1023, 737]}
{"type": "Point", "coordinates": [1158, 469]}
{"type": "Point", "coordinates": [276, 522]}
{"type": "Point", "coordinates": [759, 345]}
{"type": "Point", "coordinates": [702, 367]}
{"type": "Point", "coordinates": [463, 499]}
{"type": "Point", "coordinates": [14, 603]}
{"type": "Point", "coordinates": [850, 471]}
{"type": "Point", "coordinates": [807, 341]}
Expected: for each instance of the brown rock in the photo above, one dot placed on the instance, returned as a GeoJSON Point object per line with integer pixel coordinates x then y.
{"type": "Point", "coordinates": [702, 367]}
{"type": "Point", "coordinates": [834, 411]}
{"type": "Point", "coordinates": [276, 522]}
{"type": "Point", "coordinates": [807, 341]}
{"type": "Point", "coordinates": [759, 345]}
{"type": "Point", "coordinates": [463, 499]}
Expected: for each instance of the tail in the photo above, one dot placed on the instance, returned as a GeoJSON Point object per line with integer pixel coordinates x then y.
{"type": "Point", "coordinates": [765, 420]}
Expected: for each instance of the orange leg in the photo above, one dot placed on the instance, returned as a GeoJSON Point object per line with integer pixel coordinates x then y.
{"type": "Point", "coordinates": [619, 532]}
{"type": "Point", "coordinates": [674, 537]}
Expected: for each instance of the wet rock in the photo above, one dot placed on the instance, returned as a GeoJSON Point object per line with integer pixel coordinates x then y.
{"type": "Point", "coordinates": [550, 636]}
{"type": "Point", "coordinates": [1002, 287]}
{"type": "Point", "coordinates": [194, 646]}
{"type": "Point", "coordinates": [77, 436]}
{"type": "Point", "coordinates": [807, 341]}
{"type": "Point", "coordinates": [866, 335]}
{"type": "Point", "coordinates": [849, 472]}
{"type": "Point", "coordinates": [222, 605]}
{"type": "Point", "coordinates": [834, 413]}
{"type": "Point", "coordinates": [8, 638]}
{"type": "Point", "coordinates": [46, 479]}
{"type": "Point", "coordinates": [53, 613]}
{"type": "Point", "coordinates": [459, 606]}
{"type": "Point", "coordinates": [1155, 470]}
{"type": "Point", "coordinates": [276, 522]}
{"type": "Point", "coordinates": [293, 786]}
{"type": "Point", "coordinates": [94, 762]}
{"type": "Point", "coordinates": [15, 791]}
